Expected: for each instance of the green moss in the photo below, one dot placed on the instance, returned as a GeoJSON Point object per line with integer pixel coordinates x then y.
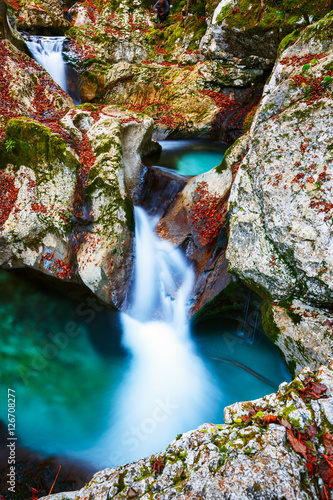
{"type": "Point", "coordinates": [35, 145]}
{"type": "Point", "coordinates": [224, 165]}
{"type": "Point", "coordinates": [287, 41]}
{"type": "Point", "coordinates": [120, 485]}
{"type": "Point", "coordinates": [268, 323]}
{"type": "Point", "coordinates": [295, 318]}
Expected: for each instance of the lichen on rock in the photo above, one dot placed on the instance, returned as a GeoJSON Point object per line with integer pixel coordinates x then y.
{"type": "Point", "coordinates": [264, 450]}
{"type": "Point", "coordinates": [280, 204]}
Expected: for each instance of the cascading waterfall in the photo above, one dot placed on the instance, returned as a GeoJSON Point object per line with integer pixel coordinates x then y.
{"type": "Point", "coordinates": [167, 389]}
{"type": "Point", "coordinates": [47, 51]}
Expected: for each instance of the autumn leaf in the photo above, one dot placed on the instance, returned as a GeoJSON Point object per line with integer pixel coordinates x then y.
{"type": "Point", "coordinates": [324, 493]}
{"type": "Point", "coordinates": [328, 443]}
{"type": "Point", "coordinates": [296, 444]}
{"type": "Point", "coordinates": [270, 419]}
{"type": "Point", "coordinates": [325, 470]}
{"type": "Point", "coordinates": [285, 423]}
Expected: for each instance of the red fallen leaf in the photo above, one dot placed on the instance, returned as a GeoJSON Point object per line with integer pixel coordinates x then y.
{"type": "Point", "coordinates": [328, 443]}
{"type": "Point", "coordinates": [311, 431]}
{"type": "Point", "coordinates": [324, 493]}
{"type": "Point", "coordinates": [311, 468]}
{"type": "Point", "coordinates": [270, 419]}
{"type": "Point", "coordinates": [296, 444]}
{"type": "Point", "coordinates": [312, 390]}
{"type": "Point", "coordinates": [325, 470]}
{"type": "Point", "coordinates": [34, 491]}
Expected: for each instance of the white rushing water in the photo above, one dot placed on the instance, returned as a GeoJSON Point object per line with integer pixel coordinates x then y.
{"type": "Point", "coordinates": [47, 51]}
{"type": "Point", "coordinates": [167, 389]}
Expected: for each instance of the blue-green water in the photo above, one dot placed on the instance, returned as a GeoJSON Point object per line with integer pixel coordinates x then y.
{"type": "Point", "coordinates": [188, 156]}
{"type": "Point", "coordinates": [65, 359]}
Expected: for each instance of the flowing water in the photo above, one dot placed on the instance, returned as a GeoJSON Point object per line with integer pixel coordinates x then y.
{"type": "Point", "coordinates": [48, 52]}
{"type": "Point", "coordinates": [108, 388]}
{"type": "Point", "coordinates": [188, 156]}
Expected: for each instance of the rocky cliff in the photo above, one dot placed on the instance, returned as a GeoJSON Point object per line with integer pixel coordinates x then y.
{"type": "Point", "coordinates": [280, 204]}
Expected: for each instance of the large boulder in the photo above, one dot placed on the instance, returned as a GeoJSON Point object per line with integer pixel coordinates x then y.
{"type": "Point", "coordinates": [281, 203]}
{"type": "Point", "coordinates": [70, 212]}
{"type": "Point", "coordinates": [277, 447]}
{"type": "Point", "coordinates": [249, 32]}
{"type": "Point", "coordinates": [40, 17]}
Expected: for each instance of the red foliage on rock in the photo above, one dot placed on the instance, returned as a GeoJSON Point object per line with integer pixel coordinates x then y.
{"type": "Point", "coordinates": [296, 444]}
{"type": "Point", "coordinates": [207, 213]}
{"type": "Point", "coordinates": [8, 196]}
{"type": "Point", "coordinates": [301, 60]}
{"type": "Point", "coordinates": [87, 157]}
{"type": "Point", "coordinates": [312, 390]}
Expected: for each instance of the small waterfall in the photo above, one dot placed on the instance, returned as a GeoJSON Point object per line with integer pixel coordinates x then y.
{"type": "Point", "coordinates": [48, 52]}
{"type": "Point", "coordinates": [167, 389]}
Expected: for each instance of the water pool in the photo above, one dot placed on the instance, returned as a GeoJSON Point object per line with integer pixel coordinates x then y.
{"type": "Point", "coordinates": [189, 156]}
{"type": "Point", "coordinates": [74, 392]}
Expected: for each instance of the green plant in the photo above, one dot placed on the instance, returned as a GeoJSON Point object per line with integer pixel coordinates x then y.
{"type": "Point", "coordinates": [10, 144]}
{"type": "Point", "coordinates": [306, 67]}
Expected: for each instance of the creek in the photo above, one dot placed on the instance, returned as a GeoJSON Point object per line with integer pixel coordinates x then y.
{"type": "Point", "coordinates": [188, 156]}
{"type": "Point", "coordinates": [107, 388]}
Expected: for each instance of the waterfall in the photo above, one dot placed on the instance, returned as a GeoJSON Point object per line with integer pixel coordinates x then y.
{"type": "Point", "coordinates": [167, 389]}
{"type": "Point", "coordinates": [47, 51]}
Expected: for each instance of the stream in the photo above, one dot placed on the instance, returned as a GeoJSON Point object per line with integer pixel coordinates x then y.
{"type": "Point", "coordinates": [108, 388]}
{"type": "Point", "coordinates": [48, 52]}
{"type": "Point", "coordinates": [105, 388]}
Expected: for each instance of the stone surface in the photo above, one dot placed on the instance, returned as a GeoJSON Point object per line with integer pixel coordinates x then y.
{"type": "Point", "coordinates": [64, 225]}
{"type": "Point", "coordinates": [249, 32]}
{"type": "Point", "coordinates": [125, 59]}
{"type": "Point", "coordinates": [41, 15]}
{"type": "Point", "coordinates": [248, 459]}
{"type": "Point", "coordinates": [280, 204]}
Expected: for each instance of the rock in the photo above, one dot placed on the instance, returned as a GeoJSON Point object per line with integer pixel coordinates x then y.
{"type": "Point", "coordinates": [280, 230]}
{"type": "Point", "coordinates": [37, 17]}
{"type": "Point", "coordinates": [72, 220]}
{"type": "Point", "coordinates": [250, 34]}
{"type": "Point", "coordinates": [194, 222]}
{"type": "Point", "coordinates": [251, 456]}
{"type": "Point", "coordinates": [81, 15]}
{"type": "Point", "coordinates": [125, 60]}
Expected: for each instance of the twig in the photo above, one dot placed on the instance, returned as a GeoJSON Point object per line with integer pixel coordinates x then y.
{"type": "Point", "coordinates": [53, 483]}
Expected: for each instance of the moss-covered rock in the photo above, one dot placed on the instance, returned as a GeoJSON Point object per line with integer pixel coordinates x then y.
{"type": "Point", "coordinates": [251, 30]}
{"type": "Point", "coordinates": [40, 15]}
